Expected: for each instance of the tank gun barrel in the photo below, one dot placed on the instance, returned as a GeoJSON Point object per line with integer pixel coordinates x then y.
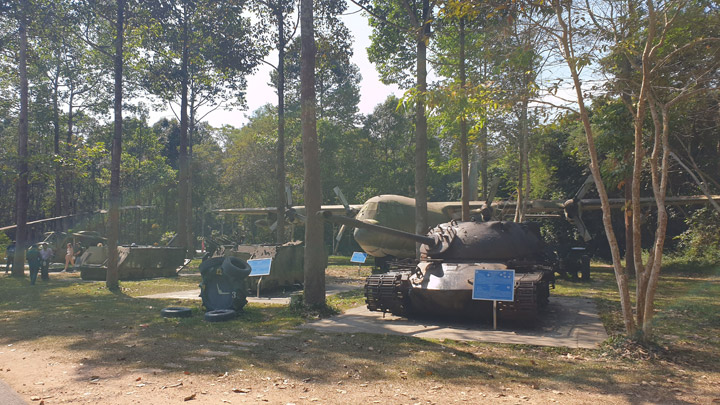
{"type": "Point", "coordinates": [328, 216]}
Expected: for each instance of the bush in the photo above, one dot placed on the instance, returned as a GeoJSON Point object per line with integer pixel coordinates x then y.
{"type": "Point", "coordinates": [4, 243]}
{"type": "Point", "coordinates": [701, 241]}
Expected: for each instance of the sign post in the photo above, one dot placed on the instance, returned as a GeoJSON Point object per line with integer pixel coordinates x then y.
{"type": "Point", "coordinates": [494, 285]}
{"type": "Point", "coordinates": [359, 258]}
{"type": "Point", "coordinates": [259, 268]}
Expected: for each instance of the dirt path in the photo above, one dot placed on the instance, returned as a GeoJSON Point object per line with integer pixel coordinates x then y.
{"type": "Point", "coordinates": [59, 376]}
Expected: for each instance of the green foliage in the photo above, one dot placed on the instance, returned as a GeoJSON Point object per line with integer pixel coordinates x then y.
{"type": "Point", "coordinates": [393, 41]}
{"type": "Point", "coordinates": [337, 79]}
{"type": "Point", "coordinates": [701, 241]}
{"type": "Point", "coordinates": [248, 161]}
{"type": "Point", "coordinates": [614, 137]}
{"type": "Point", "coordinates": [219, 46]}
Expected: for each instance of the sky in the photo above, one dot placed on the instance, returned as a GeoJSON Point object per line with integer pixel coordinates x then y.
{"type": "Point", "coordinates": [259, 92]}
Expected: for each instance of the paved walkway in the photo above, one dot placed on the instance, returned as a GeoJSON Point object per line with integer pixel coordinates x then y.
{"type": "Point", "coordinates": [8, 396]}
{"type": "Point", "coordinates": [567, 322]}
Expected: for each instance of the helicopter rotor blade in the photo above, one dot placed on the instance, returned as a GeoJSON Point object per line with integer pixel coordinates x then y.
{"type": "Point", "coordinates": [288, 195]}
{"type": "Point", "coordinates": [589, 182]}
{"type": "Point", "coordinates": [348, 210]}
{"type": "Point", "coordinates": [340, 233]}
{"type": "Point", "coordinates": [338, 238]}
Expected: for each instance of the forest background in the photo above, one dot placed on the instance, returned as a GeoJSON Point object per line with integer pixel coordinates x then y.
{"type": "Point", "coordinates": [509, 93]}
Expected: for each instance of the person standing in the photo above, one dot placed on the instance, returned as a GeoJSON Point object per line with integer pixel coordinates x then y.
{"type": "Point", "coordinates": [10, 257]}
{"type": "Point", "coordinates": [34, 262]}
{"type": "Point", "coordinates": [46, 254]}
{"type": "Point", "coordinates": [69, 257]}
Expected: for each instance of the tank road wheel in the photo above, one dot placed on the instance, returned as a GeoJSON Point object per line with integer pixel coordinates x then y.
{"type": "Point", "coordinates": [220, 315]}
{"type": "Point", "coordinates": [176, 312]}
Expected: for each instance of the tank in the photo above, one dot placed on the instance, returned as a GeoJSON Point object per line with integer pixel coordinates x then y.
{"type": "Point", "coordinates": [441, 282]}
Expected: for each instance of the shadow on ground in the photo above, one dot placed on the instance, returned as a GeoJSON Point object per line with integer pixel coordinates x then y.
{"type": "Point", "coordinates": [115, 330]}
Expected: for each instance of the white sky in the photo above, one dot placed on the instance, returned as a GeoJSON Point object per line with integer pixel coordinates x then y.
{"type": "Point", "coordinates": [259, 92]}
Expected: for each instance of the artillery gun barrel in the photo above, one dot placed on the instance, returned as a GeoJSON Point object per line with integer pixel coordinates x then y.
{"type": "Point", "coordinates": [328, 216]}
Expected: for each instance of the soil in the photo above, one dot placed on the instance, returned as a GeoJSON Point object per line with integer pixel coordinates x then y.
{"type": "Point", "coordinates": [54, 376]}
{"type": "Point", "coordinates": [42, 375]}
{"type": "Point", "coordinates": [103, 367]}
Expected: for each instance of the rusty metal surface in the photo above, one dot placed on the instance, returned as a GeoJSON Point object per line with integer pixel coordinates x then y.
{"type": "Point", "coordinates": [134, 262]}
{"type": "Point", "coordinates": [287, 266]}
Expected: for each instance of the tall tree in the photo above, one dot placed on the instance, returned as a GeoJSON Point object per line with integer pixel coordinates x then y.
{"type": "Point", "coordinates": [457, 46]}
{"type": "Point", "coordinates": [21, 191]}
{"type": "Point", "coordinates": [661, 87]}
{"type": "Point", "coordinates": [401, 33]}
{"type": "Point", "coordinates": [114, 221]}
{"type": "Point", "coordinates": [201, 51]}
{"type": "Point", "coordinates": [315, 256]}
{"type": "Point", "coordinates": [77, 79]}
{"type": "Point", "coordinates": [281, 11]}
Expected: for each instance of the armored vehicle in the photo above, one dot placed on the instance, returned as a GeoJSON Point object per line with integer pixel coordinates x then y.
{"type": "Point", "coordinates": [134, 262]}
{"type": "Point", "coordinates": [441, 283]}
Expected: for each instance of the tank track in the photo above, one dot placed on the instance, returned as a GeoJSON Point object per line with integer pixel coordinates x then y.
{"type": "Point", "coordinates": [531, 293]}
{"type": "Point", "coordinates": [388, 292]}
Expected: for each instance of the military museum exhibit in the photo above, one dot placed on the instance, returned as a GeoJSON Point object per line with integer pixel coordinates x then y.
{"type": "Point", "coordinates": [359, 202]}
{"type": "Point", "coordinates": [441, 284]}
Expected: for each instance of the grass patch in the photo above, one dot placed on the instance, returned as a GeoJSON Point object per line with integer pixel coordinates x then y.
{"type": "Point", "coordinates": [82, 320]}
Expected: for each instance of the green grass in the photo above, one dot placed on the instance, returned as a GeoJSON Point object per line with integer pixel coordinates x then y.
{"type": "Point", "coordinates": [686, 327]}
{"type": "Point", "coordinates": [84, 320]}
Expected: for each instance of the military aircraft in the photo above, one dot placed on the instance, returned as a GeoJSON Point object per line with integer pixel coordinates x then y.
{"type": "Point", "coordinates": [398, 212]}
{"type": "Point", "coordinates": [79, 215]}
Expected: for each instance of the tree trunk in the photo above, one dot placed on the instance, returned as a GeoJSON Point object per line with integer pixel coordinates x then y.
{"type": "Point", "coordinates": [473, 175]}
{"type": "Point", "coordinates": [182, 233]}
{"type": "Point", "coordinates": [280, 151]}
{"type": "Point", "coordinates": [620, 275]}
{"type": "Point", "coordinates": [71, 118]}
{"type": "Point", "coordinates": [69, 183]}
{"type": "Point", "coordinates": [484, 155]}
{"type": "Point", "coordinates": [113, 235]}
{"type": "Point", "coordinates": [189, 207]}
{"type": "Point", "coordinates": [661, 151]}
{"type": "Point", "coordinates": [315, 259]}
{"type": "Point", "coordinates": [523, 157]}
{"type": "Point", "coordinates": [464, 158]}
{"type": "Point", "coordinates": [484, 162]}
{"type": "Point", "coordinates": [56, 150]}
{"type": "Point", "coordinates": [21, 191]}
{"type": "Point", "coordinates": [639, 154]}
{"type": "Point", "coordinates": [629, 256]}
{"type": "Point", "coordinates": [626, 73]}
{"type": "Point", "coordinates": [421, 141]}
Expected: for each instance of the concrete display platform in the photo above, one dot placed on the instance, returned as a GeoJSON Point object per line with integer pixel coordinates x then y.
{"type": "Point", "coordinates": [8, 396]}
{"type": "Point", "coordinates": [567, 322]}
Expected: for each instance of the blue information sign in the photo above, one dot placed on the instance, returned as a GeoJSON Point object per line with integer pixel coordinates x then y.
{"type": "Point", "coordinates": [260, 267]}
{"type": "Point", "coordinates": [494, 285]}
{"type": "Point", "coordinates": [358, 257]}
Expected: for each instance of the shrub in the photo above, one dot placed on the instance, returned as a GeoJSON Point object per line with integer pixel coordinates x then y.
{"type": "Point", "coordinates": [701, 241]}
